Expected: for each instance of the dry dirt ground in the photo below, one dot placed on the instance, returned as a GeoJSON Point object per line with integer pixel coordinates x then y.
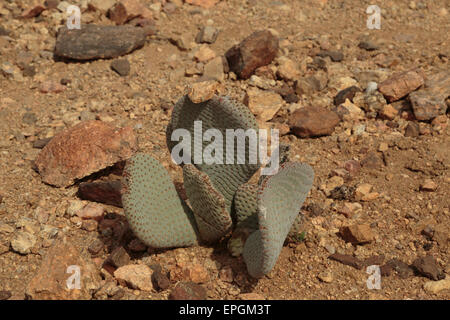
{"type": "Point", "coordinates": [412, 34]}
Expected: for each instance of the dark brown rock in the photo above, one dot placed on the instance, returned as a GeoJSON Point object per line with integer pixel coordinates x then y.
{"type": "Point", "coordinates": [430, 102]}
{"type": "Point", "coordinates": [82, 150]}
{"type": "Point", "coordinates": [5, 295]}
{"type": "Point", "coordinates": [188, 291]}
{"type": "Point", "coordinates": [126, 10]}
{"type": "Point", "coordinates": [313, 122]}
{"type": "Point", "coordinates": [121, 66]}
{"type": "Point", "coordinates": [95, 247]}
{"type": "Point", "coordinates": [428, 267]}
{"type": "Point", "coordinates": [335, 56]}
{"type": "Point", "coordinates": [412, 130]}
{"type": "Point", "coordinates": [160, 280]}
{"type": "Point", "coordinates": [98, 42]}
{"type": "Point", "coordinates": [400, 85]}
{"type": "Point", "coordinates": [372, 161]}
{"type": "Point", "coordinates": [347, 93]}
{"type": "Point", "coordinates": [119, 257]}
{"type": "Point", "coordinates": [107, 192]}
{"type": "Point", "coordinates": [347, 260]}
{"type": "Point", "coordinates": [257, 50]}
{"type": "Point", "coordinates": [402, 269]}
{"type": "Point", "coordinates": [374, 260]}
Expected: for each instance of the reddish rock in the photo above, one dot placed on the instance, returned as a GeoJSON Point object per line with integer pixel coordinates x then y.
{"type": "Point", "coordinates": [357, 234]}
{"type": "Point", "coordinates": [33, 11]}
{"type": "Point", "coordinates": [89, 225]}
{"type": "Point", "coordinates": [257, 50]}
{"type": "Point", "coordinates": [347, 260]}
{"type": "Point", "coordinates": [188, 291]}
{"type": "Point", "coordinates": [107, 192]}
{"type": "Point", "coordinates": [119, 257]}
{"type": "Point", "coordinates": [160, 280]}
{"type": "Point", "coordinates": [51, 87]}
{"type": "Point", "coordinates": [136, 276]}
{"type": "Point", "coordinates": [428, 267]}
{"type": "Point", "coordinates": [92, 211]}
{"type": "Point", "coordinates": [55, 274]}
{"type": "Point", "coordinates": [126, 10]}
{"type": "Point", "coordinates": [400, 85]}
{"type": "Point", "coordinates": [313, 122]}
{"type": "Point", "coordinates": [82, 150]}
{"type": "Point", "coordinates": [430, 102]}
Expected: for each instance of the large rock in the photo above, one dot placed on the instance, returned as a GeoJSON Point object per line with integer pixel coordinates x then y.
{"type": "Point", "coordinates": [94, 42]}
{"type": "Point", "coordinates": [82, 150]}
{"type": "Point", "coordinates": [313, 122]}
{"type": "Point", "coordinates": [400, 85]}
{"type": "Point", "coordinates": [108, 192]}
{"type": "Point", "coordinates": [257, 50]}
{"type": "Point", "coordinates": [430, 102]}
{"type": "Point", "coordinates": [53, 281]}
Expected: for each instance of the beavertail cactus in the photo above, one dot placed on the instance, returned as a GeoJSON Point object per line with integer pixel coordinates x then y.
{"type": "Point", "coordinates": [221, 114]}
{"type": "Point", "coordinates": [154, 211]}
{"type": "Point", "coordinates": [213, 220]}
{"type": "Point", "coordinates": [280, 198]}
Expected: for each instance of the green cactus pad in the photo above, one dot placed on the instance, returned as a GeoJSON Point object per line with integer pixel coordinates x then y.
{"type": "Point", "coordinates": [246, 206]}
{"type": "Point", "coordinates": [280, 198]}
{"type": "Point", "coordinates": [152, 206]}
{"type": "Point", "coordinates": [213, 220]}
{"type": "Point", "coordinates": [218, 113]}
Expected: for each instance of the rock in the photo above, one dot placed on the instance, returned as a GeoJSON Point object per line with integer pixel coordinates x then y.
{"type": "Point", "coordinates": [313, 122]}
{"type": "Point", "coordinates": [51, 87]}
{"type": "Point", "coordinates": [188, 291]}
{"type": "Point", "coordinates": [326, 277]}
{"type": "Point", "coordinates": [107, 192]}
{"type": "Point", "coordinates": [347, 260]}
{"type": "Point", "coordinates": [95, 247]}
{"type": "Point", "coordinates": [287, 69]}
{"type": "Point", "coordinates": [257, 50]}
{"type": "Point", "coordinates": [400, 85]}
{"type": "Point", "coordinates": [263, 104]}
{"type": "Point", "coordinates": [137, 245]}
{"type": "Point", "coordinates": [345, 94]}
{"type": "Point", "coordinates": [371, 87]}
{"type": "Point", "coordinates": [372, 161]}
{"type": "Point", "coordinates": [427, 266]}
{"type": "Point", "coordinates": [412, 130]}
{"type": "Point", "coordinates": [11, 71]}
{"type": "Point", "coordinates": [362, 191]}
{"type": "Point", "coordinates": [137, 276]}
{"type": "Point", "coordinates": [368, 45]}
{"type": "Point", "coordinates": [102, 5]}
{"type": "Point", "coordinates": [214, 69]}
{"type": "Point", "coordinates": [98, 42]}
{"type": "Point", "coordinates": [435, 286]}
{"type": "Point", "coordinates": [388, 112]}
{"type": "Point", "coordinates": [199, 92]}
{"type": "Point", "coordinates": [430, 102]}
{"type": "Point", "coordinates": [335, 56]}
{"type": "Point", "coordinates": [119, 257]}
{"type": "Point", "coordinates": [89, 225]}
{"type": "Point", "coordinates": [82, 150]}
{"type": "Point", "coordinates": [307, 86]}
{"type": "Point", "coordinates": [33, 11]}
{"type": "Point", "coordinates": [121, 66]}
{"type": "Point", "coordinates": [207, 34]}
{"type": "Point", "coordinates": [428, 185]}
{"type": "Point", "coordinates": [251, 296]}
{"type": "Point", "coordinates": [226, 274]}
{"type": "Point", "coordinates": [196, 273]}
{"type": "Point", "coordinates": [203, 3]}
{"type": "Point", "coordinates": [23, 242]}
{"type": "Point", "coordinates": [331, 184]}
{"type": "Point", "coordinates": [91, 211]}
{"type": "Point", "coordinates": [160, 280]}
{"type": "Point", "coordinates": [74, 207]}
{"type": "Point", "coordinates": [357, 234]}
{"type": "Point", "coordinates": [126, 10]}
{"type": "Point", "coordinates": [5, 295]}
{"type": "Point", "coordinates": [402, 269]}
{"type": "Point", "coordinates": [204, 54]}
{"type": "Point", "coordinates": [59, 266]}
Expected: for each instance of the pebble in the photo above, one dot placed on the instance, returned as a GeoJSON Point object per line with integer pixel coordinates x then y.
{"type": "Point", "coordinates": [160, 280]}
{"type": "Point", "coordinates": [357, 234]}
{"type": "Point", "coordinates": [125, 10]}
{"type": "Point", "coordinates": [207, 34]}
{"type": "Point", "coordinates": [119, 257]}
{"type": "Point", "coordinates": [74, 207]}
{"type": "Point", "coordinates": [137, 276]}
{"type": "Point", "coordinates": [121, 66]}
{"type": "Point", "coordinates": [311, 121]}
{"type": "Point", "coordinates": [428, 267]}
{"type": "Point", "coordinates": [91, 211]}
{"type": "Point", "coordinates": [335, 56]}
{"type": "Point", "coordinates": [188, 291]}
{"type": "Point", "coordinates": [371, 87]}
{"type": "Point", "coordinates": [23, 242]}
{"type": "Point", "coordinates": [401, 84]}
{"type": "Point", "coordinates": [347, 93]}
{"type": "Point", "coordinates": [263, 104]}
{"type": "Point", "coordinates": [347, 260]}
{"type": "Point", "coordinates": [203, 91]}
{"type": "Point", "coordinates": [204, 54]}
{"type": "Point", "coordinates": [326, 277]}
{"type": "Point", "coordinates": [428, 185]}
{"type": "Point", "coordinates": [287, 69]}
{"type": "Point", "coordinates": [214, 69]}
{"type": "Point", "coordinates": [437, 286]}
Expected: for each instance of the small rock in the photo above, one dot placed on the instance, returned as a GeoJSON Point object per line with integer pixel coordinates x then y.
{"type": "Point", "coordinates": [357, 234]}
{"type": "Point", "coordinates": [326, 277]}
{"type": "Point", "coordinates": [137, 276]}
{"type": "Point", "coordinates": [102, 5]}
{"type": "Point", "coordinates": [23, 242]}
{"type": "Point", "coordinates": [263, 104]}
{"type": "Point", "coordinates": [89, 225]}
{"type": "Point", "coordinates": [257, 50]}
{"type": "Point", "coordinates": [91, 211]}
{"type": "Point", "coordinates": [435, 286]}
{"type": "Point", "coordinates": [371, 87]}
{"type": "Point", "coordinates": [126, 10]}
{"type": "Point", "coordinates": [287, 69]}
{"type": "Point", "coordinates": [160, 280]}
{"type": "Point", "coordinates": [119, 257]}
{"type": "Point", "coordinates": [400, 85]}
{"type": "Point", "coordinates": [196, 273]}
{"type": "Point", "coordinates": [51, 87]}
{"type": "Point", "coordinates": [335, 56]}
{"type": "Point", "coordinates": [402, 269]}
{"type": "Point", "coordinates": [33, 11]}
{"type": "Point", "coordinates": [5, 295]}
{"type": "Point", "coordinates": [345, 94]}
{"type": "Point", "coordinates": [368, 45]}
{"type": "Point", "coordinates": [95, 247]}
{"type": "Point", "coordinates": [204, 54]}
{"type": "Point", "coordinates": [74, 207]}
{"type": "Point", "coordinates": [121, 66]}
{"type": "Point", "coordinates": [207, 34]}
{"type": "Point", "coordinates": [388, 112]}
{"type": "Point", "coordinates": [188, 291]}
{"type": "Point", "coordinates": [313, 122]}
{"type": "Point", "coordinates": [226, 274]}
{"type": "Point", "coordinates": [427, 266]}
{"type": "Point", "coordinates": [82, 150]}
{"type": "Point", "coordinates": [372, 161]}
{"type": "Point", "coordinates": [214, 69]}
{"type": "Point", "coordinates": [98, 42]}
{"type": "Point", "coordinates": [412, 130]}
{"type": "Point", "coordinates": [199, 92]}
{"type": "Point", "coordinates": [428, 185]}
{"type": "Point", "coordinates": [347, 260]}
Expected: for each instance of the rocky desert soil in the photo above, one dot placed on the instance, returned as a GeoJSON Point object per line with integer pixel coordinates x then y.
{"type": "Point", "coordinates": [366, 108]}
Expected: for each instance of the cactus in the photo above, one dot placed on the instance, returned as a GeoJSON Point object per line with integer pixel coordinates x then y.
{"type": "Point", "coordinates": [219, 194]}
{"type": "Point", "coordinates": [218, 113]}
{"type": "Point", "coordinates": [213, 220]}
{"type": "Point", "coordinates": [153, 209]}
{"type": "Point", "coordinates": [280, 198]}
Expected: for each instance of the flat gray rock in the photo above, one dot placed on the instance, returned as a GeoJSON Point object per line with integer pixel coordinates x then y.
{"type": "Point", "coordinates": [97, 42]}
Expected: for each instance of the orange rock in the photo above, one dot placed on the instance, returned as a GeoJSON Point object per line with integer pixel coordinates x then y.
{"type": "Point", "coordinates": [357, 234]}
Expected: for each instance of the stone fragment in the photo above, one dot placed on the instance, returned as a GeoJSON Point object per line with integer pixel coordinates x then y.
{"type": "Point", "coordinates": [347, 260]}
{"type": "Point", "coordinates": [313, 122]}
{"type": "Point", "coordinates": [126, 10]}
{"type": "Point", "coordinates": [335, 56]}
{"type": "Point", "coordinates": [23, 242]}
{"type": "Point", "coordinates": [207, 34]}
{"type": "Point", "coordinates": [287, 69]}
{"type": "Point", "coordinates": [119, 257]}
{"type": "Point", "coordinates": [137, 276]}
{"type": "Point", "coordinates": [257, 50]}
{"type": "Point", "coordinates": [214, 69]}
{"type": "Point", "coordinates": [188, 291]}
{"type": "Point", "coordinates": [121, 66]}
{"type": "Point", "coordinates": [347, 93]}
{"type": "Point", "coordinates": [107, 192]}
{"type": "Point", "coordinates": [263, 104]}
{"type": "Point", "coordinates": [435, 287]}
{"type": "Point", "coordinates": [428, 267]}
{"type": "Point", "coordinates": [400, 85]}
{"type": "Point", "coordinates": [199, 92]}
{"type": "Point", "coordinates": [160, 280]}
{"type": "Point", "coordinates": [357, 234]}
{"type": "Point", "coordinates": [428, 185]}
{"type": "Point", "coordinates": [50, 86]}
